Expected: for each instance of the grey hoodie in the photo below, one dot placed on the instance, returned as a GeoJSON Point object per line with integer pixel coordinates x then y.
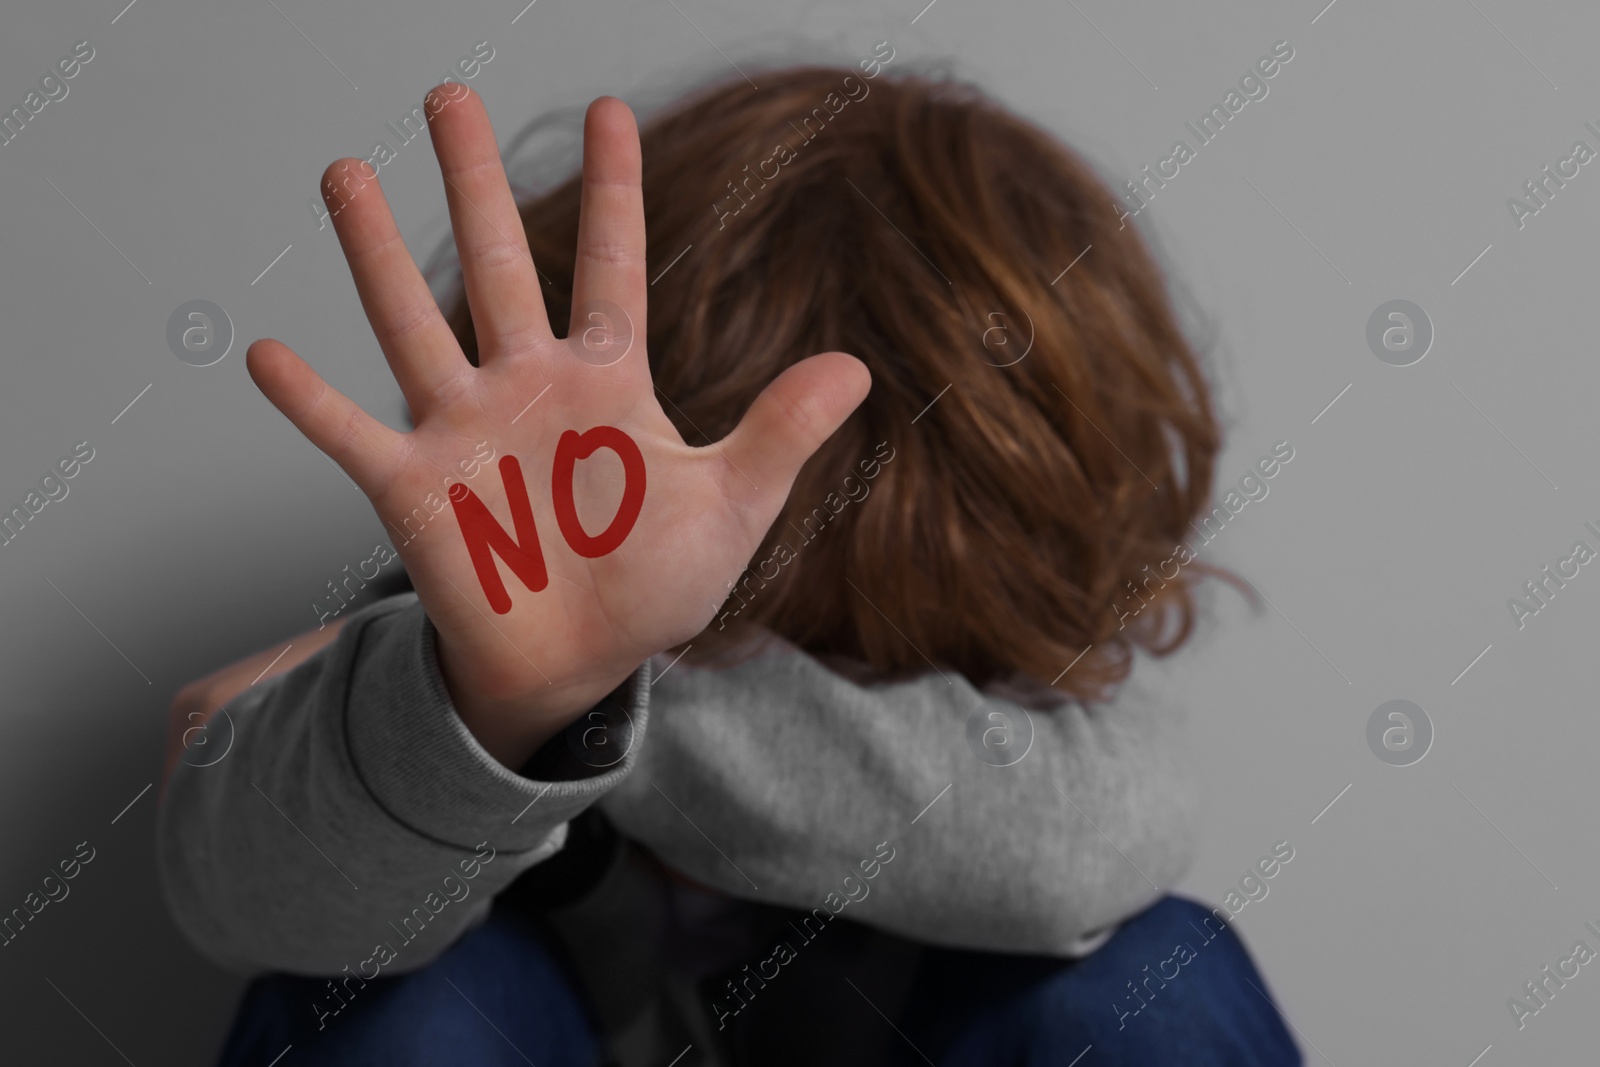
{"type": "Point", "coordinates": [351, 822]}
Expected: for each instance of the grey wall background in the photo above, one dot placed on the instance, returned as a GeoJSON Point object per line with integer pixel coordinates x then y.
{"type": "Point", "coordinates": [1378, 167]}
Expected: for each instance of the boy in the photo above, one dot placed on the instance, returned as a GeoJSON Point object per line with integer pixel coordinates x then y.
{"type": "Point", "coordinates": [899, 611]}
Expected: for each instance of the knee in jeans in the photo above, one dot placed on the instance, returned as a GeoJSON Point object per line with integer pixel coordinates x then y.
{"type": "Point", "coordinates": [498, 994]}
{"type": "Point", "coordinates": [1181, 971]}
{"type": "Point", "coordinates": [1175, 953]}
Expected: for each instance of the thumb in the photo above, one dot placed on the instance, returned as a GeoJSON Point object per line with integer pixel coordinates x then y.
{"type": "Point", "coordinates": [788, 422]}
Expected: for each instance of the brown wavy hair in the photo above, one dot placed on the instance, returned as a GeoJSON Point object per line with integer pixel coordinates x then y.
{"type": "Point", "coordinates": [937, 237]}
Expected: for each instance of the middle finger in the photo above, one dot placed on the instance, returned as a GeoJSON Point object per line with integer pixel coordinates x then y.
{"type": "Point", "coordinates": [502, 284]}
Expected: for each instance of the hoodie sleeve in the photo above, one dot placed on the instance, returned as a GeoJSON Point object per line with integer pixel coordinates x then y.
{"type": "Point", "coordinates": [340, 817]}
{"type": "Point", "coordinates": [927, 808]}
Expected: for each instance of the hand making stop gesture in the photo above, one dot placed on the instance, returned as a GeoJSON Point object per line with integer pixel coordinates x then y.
{"type": "Point", "coordinates": [598, 537]}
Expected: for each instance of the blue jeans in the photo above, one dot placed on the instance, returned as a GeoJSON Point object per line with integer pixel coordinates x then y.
{"type": "Point", "coordinates": [1172, 986]}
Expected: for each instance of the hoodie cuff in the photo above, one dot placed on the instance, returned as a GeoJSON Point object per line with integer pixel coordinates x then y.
{"type": "Point", "coordinates": [422, 764]}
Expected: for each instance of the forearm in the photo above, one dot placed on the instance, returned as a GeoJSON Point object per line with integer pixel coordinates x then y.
{"type": "Point", "coordinates": [196, 702]}
{"type": "Point", "coordinates": [798, 776]}
{"type": "Point", "coordinates": [354, 810]}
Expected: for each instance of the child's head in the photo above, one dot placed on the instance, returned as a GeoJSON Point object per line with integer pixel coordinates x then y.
{"type": "Point", "coordinates": [1038, 434]}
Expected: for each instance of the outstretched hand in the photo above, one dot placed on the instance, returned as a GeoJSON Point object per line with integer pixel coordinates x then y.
{"type": "Point", "coordinates": [521, 661]}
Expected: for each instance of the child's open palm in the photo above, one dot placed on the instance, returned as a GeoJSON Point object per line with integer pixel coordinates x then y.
{"type": "Point", "coordinates": [521, 661]}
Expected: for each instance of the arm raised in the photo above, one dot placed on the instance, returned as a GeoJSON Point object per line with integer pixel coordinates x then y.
{"type": "Point", "coordinates": [341, 815]}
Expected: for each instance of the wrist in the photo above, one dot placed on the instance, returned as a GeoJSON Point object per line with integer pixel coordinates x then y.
{"type": "Point", "coordinates": [512, 719]}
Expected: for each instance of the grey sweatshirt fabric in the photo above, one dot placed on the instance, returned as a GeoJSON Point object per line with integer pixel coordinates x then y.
{"type": "Point", "coordinates": [356, 826]}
